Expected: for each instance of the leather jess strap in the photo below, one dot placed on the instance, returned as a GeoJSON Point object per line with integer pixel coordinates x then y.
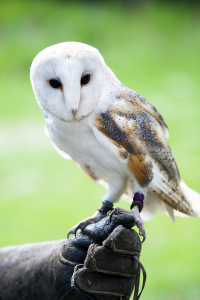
{"type": "Point", "coordinates": [137, 280]}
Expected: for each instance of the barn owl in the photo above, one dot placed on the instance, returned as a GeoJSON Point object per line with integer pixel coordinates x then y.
{"type": "Point", "coordinates": [114, 134]}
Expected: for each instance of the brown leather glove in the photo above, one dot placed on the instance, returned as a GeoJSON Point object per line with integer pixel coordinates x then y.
{"type": "Point", "coordinates": [100, 263]}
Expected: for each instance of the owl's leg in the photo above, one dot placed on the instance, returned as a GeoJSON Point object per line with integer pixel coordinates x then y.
{"type": "Point", "coordinates": [136, 208]}
{"type": "Point", "coordinates": [117, 186]}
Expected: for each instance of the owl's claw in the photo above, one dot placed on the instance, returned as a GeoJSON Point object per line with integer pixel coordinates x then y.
{"type": "Point", "coordinates": [140, 225]}
{"type": "Point", "coordinates": [80, 225]}
{"type": "Point", "coordinates": [117, 211]}
{"type": "Point", "coordinates": [136, 216]}
{"type": "Point", "coordinates": [94, 219]}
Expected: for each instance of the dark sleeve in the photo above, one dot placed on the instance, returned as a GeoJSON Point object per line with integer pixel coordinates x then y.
{"type": "Point", "coordinates": [33, 271]}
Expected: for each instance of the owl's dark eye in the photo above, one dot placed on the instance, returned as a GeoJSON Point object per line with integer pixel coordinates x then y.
{"type": "Point", "coordinates": [54, 83]}
{"type": "Point", "coordinates": [85, 79]}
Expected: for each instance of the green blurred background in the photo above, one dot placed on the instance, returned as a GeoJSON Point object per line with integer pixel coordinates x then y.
{"type": "Point", "coordinates": [152, 47]}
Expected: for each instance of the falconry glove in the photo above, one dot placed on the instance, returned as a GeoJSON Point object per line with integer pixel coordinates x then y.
{"type": "Point", "coordinates": [101, 262]}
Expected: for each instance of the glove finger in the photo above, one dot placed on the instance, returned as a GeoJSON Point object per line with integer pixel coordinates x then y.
{"type": "Point", "coordinates": [96, 283]}
{"type": "Point", "coordinates": [124, 241]}
{"type": "Point", "coordinates": [102, 259]}
{"type": "Point", "coordinates": [75, 249]}
{"type": "Point", "coordinates": [71, 254]}
{"type": "Point", "coordinates": [116, 254]}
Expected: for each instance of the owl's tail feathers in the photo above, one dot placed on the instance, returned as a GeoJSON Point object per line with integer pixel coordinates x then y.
{"type": "Point", "coordinates": [192, 197]}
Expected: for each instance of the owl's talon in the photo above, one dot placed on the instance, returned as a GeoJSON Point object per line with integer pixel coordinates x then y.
{"type": "Point", "coordinates": [72, 231]}
{"type": "Point", "coordinates": [77, 228]}
{"type": "Point", "coordinates": [143, 238]}
{"type": "Point", "coordinates": [94, 219]}
{"type": "Point", "coordinates": [81, 226]}
{"type": "Point", "coordinates": [140, 226]}
{"type": "Point", "coordinates": [112, 213]}
{"type": "Point", "coordinates": [135, 214]}
{"type": "Point", "coordinates": [117, 211]}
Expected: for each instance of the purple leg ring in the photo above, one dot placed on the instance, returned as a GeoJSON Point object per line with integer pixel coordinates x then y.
{"type": "Point", "coordinates": [138, 200]}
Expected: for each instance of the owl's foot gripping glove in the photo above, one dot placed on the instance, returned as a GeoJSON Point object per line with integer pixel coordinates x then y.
{"type": "Point", "coordinates": [102, 211]}
{"type": "Point", "coordinates": [111, 268]}
{"type": "Point", "coordinates": [136, 208]}
{"type": "Point", "coordinates": [101, 263]}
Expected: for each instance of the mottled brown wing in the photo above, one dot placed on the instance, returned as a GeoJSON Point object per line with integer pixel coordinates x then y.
{"type": "Point", "coordinates": [138, 132]}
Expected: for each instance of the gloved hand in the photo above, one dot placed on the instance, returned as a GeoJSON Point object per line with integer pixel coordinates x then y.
{"type": "Point", "coordinates": [100, 263]}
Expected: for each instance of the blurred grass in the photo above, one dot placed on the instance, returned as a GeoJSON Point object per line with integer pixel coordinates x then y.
{"type": "Point", "coordinates": [152, 48]}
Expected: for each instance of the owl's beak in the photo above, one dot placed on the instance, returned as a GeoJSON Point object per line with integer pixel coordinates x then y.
{"type": "Point", "coordinates": [71, 89]}
{"type": "Point", "coordinates": [74, 111]}
{"type": "Point", "coordinates": [72, 98]}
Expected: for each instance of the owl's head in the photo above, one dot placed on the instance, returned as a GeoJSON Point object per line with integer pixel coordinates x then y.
{"type": "Point", "coordinates": [67, 79]}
